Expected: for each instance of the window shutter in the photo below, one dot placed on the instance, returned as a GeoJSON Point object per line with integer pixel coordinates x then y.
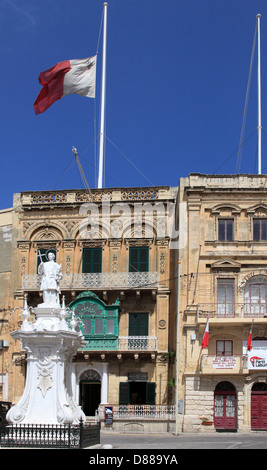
{"type": "Point", "coordinates": [150, 393]}
{"type": "Point", "coordinates": [97, 260]}
{"type": "Point", "coordinates": [143, 324]}
{"type": "Point", "coordinates": [86, 260]}
{"type": "Point", "coordinates": [138, 259]}
{"type": "Point", "coordinates": [138, 324]}
{"type": "Point", "coordinates": [143, 262]}
{"type": "Point", "coordinates": [133, 261]}
{"type": "Point", "coordinates": [124, 393]}
{"type": "Point", "coordinates": [92, 260]}
{"type": "Point", "coordinates": [133, 324]}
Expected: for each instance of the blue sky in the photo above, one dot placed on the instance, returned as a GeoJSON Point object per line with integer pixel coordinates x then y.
{"type": "Point", "coordinates": [177, 74]}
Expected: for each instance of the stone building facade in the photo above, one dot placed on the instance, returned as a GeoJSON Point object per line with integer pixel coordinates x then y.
{"type": "Point", "coordinates": [223, 282]}
{"type": "Point", "coordinates": [125, 273]}
{"type": "Point", "coordinates": [113, 246]}
{"type": "Point", "coordinates": [8, 318]}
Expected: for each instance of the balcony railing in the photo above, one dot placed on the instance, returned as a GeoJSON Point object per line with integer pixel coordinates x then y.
{"type": "Point", "coordinates": [229, 364]}
{"type": "Point", "coordinates": [121, 343]}
{"type": "Point", "coordinates": [88, 281]}
{"type": "Point", "coordinates": [230, 310]}
{"type": "Point", "coordinates": [137, 343]}
{"type": "Point", "coordinates": [143, 412]}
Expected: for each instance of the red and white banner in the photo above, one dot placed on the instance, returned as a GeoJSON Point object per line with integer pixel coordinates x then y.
{"type": "Point", "coordinates": [67, 77]}
{"type": "Point", "coordinates": [205, 340]}
{"type": "Point", "coordinates": [257, 356]}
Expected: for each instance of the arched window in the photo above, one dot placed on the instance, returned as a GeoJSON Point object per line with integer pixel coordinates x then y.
{"type": "Point", "coordinates": [90, 375]}
{"type": "Point", "coordinates": [225, 386]}
{"type": "Point", "coordinates": [259, 387]}
{"type": "Point", "coordinates": [256, 296]}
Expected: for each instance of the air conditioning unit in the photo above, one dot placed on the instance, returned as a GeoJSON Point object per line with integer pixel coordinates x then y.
{"type": "Point", "coordinates": [1, 344]}
{"type": "Point", "coordinates": [4, 343]}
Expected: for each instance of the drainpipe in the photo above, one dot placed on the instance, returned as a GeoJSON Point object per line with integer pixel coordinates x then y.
{"type": "Point", "coordinates": [196, 275]}
{"type": "Point", "coordinates": [177, 351]}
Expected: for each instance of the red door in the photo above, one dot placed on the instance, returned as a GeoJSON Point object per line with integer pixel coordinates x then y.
{"type": "Point", "coordinates": [225, 410]}
{"type": "Point", "coordinates": [259, 410]}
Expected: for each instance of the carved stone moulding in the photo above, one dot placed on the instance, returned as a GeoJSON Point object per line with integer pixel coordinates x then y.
{"type": "Point", "coordinates": [46, 245]}
{"type": "Point", "coordinates": [92, 243]}
{"type": "Point", "coordinates": [138, 242]}
{"type": "Point", "coordinates": [69, 244]}
{"type": "Point", "coordinates": [23, 245]}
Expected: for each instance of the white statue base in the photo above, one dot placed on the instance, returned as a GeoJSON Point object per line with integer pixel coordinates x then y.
{"type": "Point", "coordinates": [50, 346]}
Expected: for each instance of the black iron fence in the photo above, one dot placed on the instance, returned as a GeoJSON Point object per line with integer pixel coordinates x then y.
{"type": "Point", "coordinates": [71, 436]}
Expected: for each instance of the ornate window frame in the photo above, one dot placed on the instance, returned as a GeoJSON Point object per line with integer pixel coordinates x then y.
{"type": "Point", "coordinates": [225, 211]}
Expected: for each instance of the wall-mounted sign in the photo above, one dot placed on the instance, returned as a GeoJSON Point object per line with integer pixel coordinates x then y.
{"type": "Point", "coordinates": [108, 414]}
{"type": "Point", "coordinates": [224, 362]}
{"type": "Point", "coordinates": [137, 377]}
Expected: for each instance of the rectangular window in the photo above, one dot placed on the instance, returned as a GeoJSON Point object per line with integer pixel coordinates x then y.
{"type": "Point", "coordinates": [226, 230]}
{"type": "Point", "coordinates": [110, 327]}
{"type": "Point", "coordinates": [98, 326]}
{"type": "Point", "coordinates": [92, 260]}
{"type": "Point", "coordinates": [138, 259]}
{"type": "Point", "coordinates": [256, 296]}
{"type": "Point", "coordinates": [259, 230]}
{"type": "Point", "coordinates": [87, 326]}
{"type": "Point", "coordinates": [138, 324]}
{"type": "Point", "coordinates": [225, 297]}
{"type": "Point", "coordinates": [224, 348]}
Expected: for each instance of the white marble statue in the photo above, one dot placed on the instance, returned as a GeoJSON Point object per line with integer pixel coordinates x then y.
{"type": "Point", "coordinates": [51, 275]}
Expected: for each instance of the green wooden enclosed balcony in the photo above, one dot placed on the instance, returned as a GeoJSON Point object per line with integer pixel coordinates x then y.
{"type": "Point", "coordinates": [99, 324]}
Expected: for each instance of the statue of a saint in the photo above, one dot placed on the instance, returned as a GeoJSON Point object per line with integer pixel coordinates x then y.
{"type": "Point", "coordinates": [51, 275]}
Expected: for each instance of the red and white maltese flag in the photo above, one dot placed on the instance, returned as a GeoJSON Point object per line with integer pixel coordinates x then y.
{"type": "Point", "coordinates": [67, 77]}
{"type": "Point", "coordinates": [205, 340]}
{"type": "Point", "coordinates": [249, 347]}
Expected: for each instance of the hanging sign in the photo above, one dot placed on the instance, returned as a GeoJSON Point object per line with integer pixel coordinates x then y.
{"type": "Point", "coordinates": [257, 356]}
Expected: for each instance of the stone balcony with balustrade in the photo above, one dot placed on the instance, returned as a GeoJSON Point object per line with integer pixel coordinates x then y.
{"type": "Point", "coordinates": [212, 364]}
{"type": "Point", "coordinates": [65, 197]}
{"type": "Point", "coordinates": [97, 281]}
{"type": "Point", "coordinates": [232, 313]}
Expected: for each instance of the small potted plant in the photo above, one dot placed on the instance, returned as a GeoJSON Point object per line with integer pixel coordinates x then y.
{"type": "Point", "coordinates": [206, 422]}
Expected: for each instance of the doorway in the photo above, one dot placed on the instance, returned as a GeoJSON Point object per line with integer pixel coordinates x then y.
{"type": "Point", "coordinates": [90, 397]}
{"type": "Point", "coordinates": [137, 392]}
{"type": "Point", "coordinates": [90, 392]}
{"type": "Point", "coordinates": [259, 406]}
{"type": "Point", "coordinates": [225, 407]}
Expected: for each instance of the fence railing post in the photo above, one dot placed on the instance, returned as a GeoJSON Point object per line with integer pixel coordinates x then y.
{"type": "Point", "coordinates": [81, 433]}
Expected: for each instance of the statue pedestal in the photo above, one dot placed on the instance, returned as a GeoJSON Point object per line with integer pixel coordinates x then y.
{"type": "Point", "coordinates": [50, 346]}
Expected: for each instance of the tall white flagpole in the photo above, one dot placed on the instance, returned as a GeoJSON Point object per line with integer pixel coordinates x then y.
{"type": "Point", "coordinates": [259, 97]}
{"type": "Point", "coordinates": [103, 100]}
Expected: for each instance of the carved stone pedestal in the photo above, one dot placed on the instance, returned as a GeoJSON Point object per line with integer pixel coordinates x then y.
{"type": "Point", "coordinates": [50, 346]}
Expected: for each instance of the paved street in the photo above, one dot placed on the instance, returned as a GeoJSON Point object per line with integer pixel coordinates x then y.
{"type": "Point", "coordinates": [248, 441]}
